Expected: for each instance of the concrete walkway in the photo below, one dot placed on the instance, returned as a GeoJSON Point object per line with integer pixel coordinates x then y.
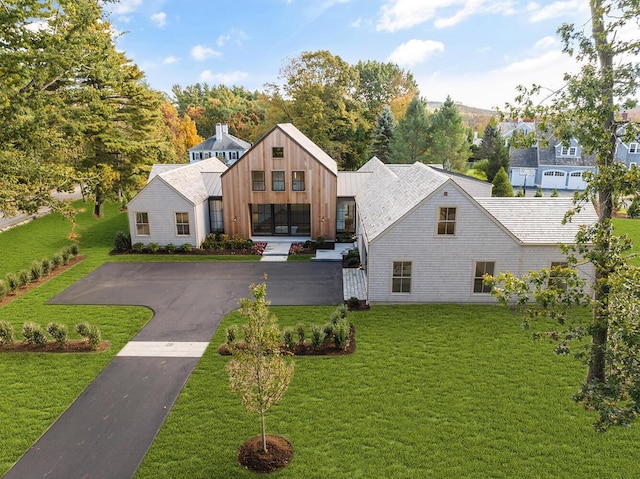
{"type": "Point", "coordinates": [276, 251]}
{"type": "Point", "coordinates": [108, 430]}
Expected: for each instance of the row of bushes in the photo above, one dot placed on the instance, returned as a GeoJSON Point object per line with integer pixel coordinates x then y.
{"type": "Point", "coordinates": [213, 242]}
{"type": "Point", "coordinates": [218, 241]}
{"type": "Point", "coordinates": [336, 331]}
{"type": "Point", "coordinates": [39, 269]}
{"type": "Point", "coordinates": [34, 334]}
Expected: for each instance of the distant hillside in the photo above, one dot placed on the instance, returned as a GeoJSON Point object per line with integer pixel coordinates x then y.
{"type": "Point", "coordinates": [634, 114]}
{"type": "Point", "coordinates": [476, 118]}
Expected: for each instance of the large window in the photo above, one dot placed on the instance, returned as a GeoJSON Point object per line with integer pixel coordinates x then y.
{"type": "Point", "coordinates": [142, 224]}
{"type": "Point", "coordinates": [182, 224]}
{"type": "Point", "coordinates": [297, 180]}
{"type": "Point", "coordinates": [216, 219]}
{"type": "Point", "coordinates": [277, 180]}
{"type": "Point", "coordinates": [257, 181]}
{"type": "Point", "coordinates": [447, 221]}
{"type": "Point", "coordinates": [401, 277]}
{"type": "Point", "coordinates": [482, 268]}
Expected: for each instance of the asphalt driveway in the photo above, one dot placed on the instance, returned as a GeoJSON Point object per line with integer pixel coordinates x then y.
{"type": "Point", "coordinates": [107, 431]}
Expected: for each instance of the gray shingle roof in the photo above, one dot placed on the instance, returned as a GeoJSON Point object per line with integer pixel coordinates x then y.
{"type": "Point", "coordinates": [389, 195]}
{"type": "Point", "coordinates": [188, 180]}
{"type": "Point", "coordinates": [538, 220]}
{"type": "Point", "coordinates": [228, 142]}
{"type": "Point", "coordinates": [524, 157]}
{"type": "Point", "coordinates": [162, 168]}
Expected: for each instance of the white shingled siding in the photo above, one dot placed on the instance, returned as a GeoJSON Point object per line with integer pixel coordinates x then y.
{"type": "Point", "coordinates": [443, 266]}
{"type": "Point", "coordinates": [161, 202]}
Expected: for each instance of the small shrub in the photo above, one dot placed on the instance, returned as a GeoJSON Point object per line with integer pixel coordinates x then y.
{"type": "Point", "coordinates": [554, 193]}
{"type": "Point", "coordinates": [12, 282]}
{"type": "Point", "coordinates": [153, 247]}
{"type": "Point", "coordinates": [339, 313]}
{"type": "Point", "coordinates": [122, 241]}
{"type": "Point", "coordinates": [353, 302]}
{"type": "Point", "coordinates": [317, 336]}
{"type": "Point", "coordinates": [634, 208]}
{"type": "Point", "coordinates": [520, 193]}
{"type": "Point", "coordinates": [24, 277]}
{"type": "Point", "coordinates": [59, 333]}
{"type": "Point", "coordinates": [7, 335]}
{"type": "Point", "coordinates": [56, 261]}
{"type": "Point", "coordinates": [3, 290]}
{"type": "Point", "coordinates": [328, 331]}
{"type": "Point", "coordinates": [186, 247]}
{"type": "Point", "coordinates": [341, 332]}
{"type": "Point", "coordinates": [74, 249]}
{"type": "Point", "coordinates": [36, 270]}
{"type": "Point", "coordinates": [137, 247]}
{"type": "Point", "coordinates": [90, 333]}
{"type": "Point", "coordinates": [232, 334]}
{"type": "Point", "coordinates": [170, 248]}
{"type": "Point", "coordinates": [538, 193]}
{"type": "Point", "coordinates": [66, 255]}
{"type": "Point", "coordinates": [300, 329]}
{"type": "Point", "coordinates": [288, 337]}
{"type": "Point", "coordinates": [46, 266]}
{"type": "Point", "coordinates": [320, 241]}
{"type": "Point", "coordinates": [33, 334]}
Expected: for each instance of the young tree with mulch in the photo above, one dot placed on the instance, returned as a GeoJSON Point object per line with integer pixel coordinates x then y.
{"type": "Point", "coordinates": [258, 369]}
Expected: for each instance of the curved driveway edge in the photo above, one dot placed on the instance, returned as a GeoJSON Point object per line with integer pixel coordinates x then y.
{"type": "Point", "coordinates": [107, 431]}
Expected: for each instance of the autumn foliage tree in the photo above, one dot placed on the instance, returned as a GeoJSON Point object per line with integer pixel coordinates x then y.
{"type": "Point", "coordinates": [258, 371]}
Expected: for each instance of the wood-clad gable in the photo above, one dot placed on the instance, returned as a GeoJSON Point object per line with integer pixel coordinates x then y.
{"type": "Point", "coordinates": [283, 149]}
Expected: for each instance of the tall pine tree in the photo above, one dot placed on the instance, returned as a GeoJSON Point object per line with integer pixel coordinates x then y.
{"type": "Point", "coordinates": [410, 138]}
{"type": "Point", "coordinates": [448, 138]}
{"type": "Point", "coordinates": [493, 149]}
{"type": "Point", "coordinates": [383, 134]}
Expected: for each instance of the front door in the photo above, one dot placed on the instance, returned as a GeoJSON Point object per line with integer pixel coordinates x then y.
{"type": "Point", "coordinates": [281, 219]}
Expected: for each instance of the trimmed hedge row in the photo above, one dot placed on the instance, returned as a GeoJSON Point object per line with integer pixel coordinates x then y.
{"type": "Point", "coordinates": [34, 334]}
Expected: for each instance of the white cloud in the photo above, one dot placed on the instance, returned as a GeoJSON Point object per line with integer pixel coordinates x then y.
{"type": "Point", "coordinates": [403, 14]}
{"type": "Point", "coordinates": [357, 22]}
{"type": "Point", "coordinates": [37, 26]}
{"type": "Point", "coordinates": [238, 36]}
{"type": "Point", "coordinates": [414, 52]}
{"type": "Point", "coordinates": [546, 43]}
{"type": "Point", "coordinates": [125, 6]}
{"type": "Point", "coordinates": [488, 89]}
{"type": "Point", "coordinates": [566, 8]}
{"type": "Point", "coordinates": [160, 19]}
{"type": "Point", "coordinates": [170, 60]}
{"type": "Point", "coordinates": [228, 78]}
{"type": "Point", "coordinates": [200, 53]}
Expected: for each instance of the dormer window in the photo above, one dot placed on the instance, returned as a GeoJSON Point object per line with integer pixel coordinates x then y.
{"type": "Point", "coordinates": [277, 152]}
{"type": "Point", "coordinates": [568, 151]}
{"type": "Point", "coordinates": [633, 148]}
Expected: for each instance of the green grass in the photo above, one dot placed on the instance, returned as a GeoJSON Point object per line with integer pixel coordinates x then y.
{"type": "Point", "coordinates": [431, 391]}
{"type": "Point", "coordinates": [300, 257]}
{"type": "Point", "coordinates": [632, 229]}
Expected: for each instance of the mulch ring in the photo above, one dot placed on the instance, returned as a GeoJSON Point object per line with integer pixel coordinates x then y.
{"type": "Point", "coordinates": [72, 346]}
{"type": "Point", "coordinates": [327, 349]}
{"type": "Point", "coordinates": [252, 456]}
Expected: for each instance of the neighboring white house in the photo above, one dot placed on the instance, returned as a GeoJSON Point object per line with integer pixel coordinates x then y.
{"type": "Point", "coordinates": [423, 237]}
{"type": "Point", "coordinates": [223, 146]}
{"type": "Point", "coordinates": [424, 234]}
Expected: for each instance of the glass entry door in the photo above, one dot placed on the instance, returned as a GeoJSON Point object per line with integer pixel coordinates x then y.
{"type": "Point", "coordinates": [281, 219]}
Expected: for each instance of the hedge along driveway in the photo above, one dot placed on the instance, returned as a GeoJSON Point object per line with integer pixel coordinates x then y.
{"type": "Point", "coordinates": [108, 430]}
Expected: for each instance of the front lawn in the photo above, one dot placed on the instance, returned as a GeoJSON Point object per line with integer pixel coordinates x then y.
{"type": "Point", "coordinates": [431, 391]}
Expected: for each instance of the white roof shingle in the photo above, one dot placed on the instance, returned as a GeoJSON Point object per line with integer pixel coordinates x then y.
{"type": "Point", "coordinates": [189, 180]}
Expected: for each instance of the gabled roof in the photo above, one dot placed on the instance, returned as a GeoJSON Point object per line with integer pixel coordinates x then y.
{"type": "Point", "coordinates": [162, 168]}
{"type": "Point", "coordinates": [227, 142]}
{"type": "Point", "coordinates": [393, 192]}
{"type": "Point", "coordinates": [305, 143]}
{"type": "Point", "coordinates": [189, 180]}
{"type": "Point", "coordinates": [311, 148]}
{"type": "Point", "coordinates": [538, 220]}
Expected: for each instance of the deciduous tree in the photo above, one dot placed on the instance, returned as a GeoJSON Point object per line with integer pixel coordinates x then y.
{"type": "Point", "coordinates": [585, 108]}
{"type": "Point", "coordinates": [258, 371]}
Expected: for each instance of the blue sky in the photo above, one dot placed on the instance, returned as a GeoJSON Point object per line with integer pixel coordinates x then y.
{"type": "Point", "coordinates": [476, 51]}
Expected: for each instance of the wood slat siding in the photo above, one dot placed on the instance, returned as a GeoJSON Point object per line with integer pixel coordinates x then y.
{"type": "Point", "coordinates": [443, 266]}
{"type": "Point", "coordinates": [161, 203]}
{"type": "Point", "coordinates": [320, 186]}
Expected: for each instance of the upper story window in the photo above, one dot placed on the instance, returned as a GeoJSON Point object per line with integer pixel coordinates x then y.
{"type": "Point", "coordinates": [257, 181]}
{"type": "Point", "coordinates": [277, 180]}
{"type": "Point", "coordinates": [568, 151]}
{"type": "Point", "coordinates": [142, 224]}
{"type": "Point", "coordinates": [633, 148]}
{"type": "Point", "coordinates": [447, 221]}
{"type": "Point", "coordinates": [277, 152]}
{"type": "Point", "coordinates": [182, 224]}
{"type": "Point", "coordinates": [297, 180]}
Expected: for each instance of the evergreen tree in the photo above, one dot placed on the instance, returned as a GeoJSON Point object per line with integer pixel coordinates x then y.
{"type": "Point", "coordinates": [494, 150]}
{"type": "Point", "coordinates": [383, 134]}
{"type": "Point", "coordinates": [410, 138]}
{"type": "Point", "coordinates": [448, 138]}
{"type": "Point", "coordinates": [501, 185]}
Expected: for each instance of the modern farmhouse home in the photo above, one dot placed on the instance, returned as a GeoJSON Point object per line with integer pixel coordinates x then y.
{"type": "Point", "coordinates": [424, 234]}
